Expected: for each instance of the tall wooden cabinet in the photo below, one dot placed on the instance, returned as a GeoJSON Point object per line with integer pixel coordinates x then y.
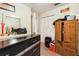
{"type": "Point", "coordinates": [66, 37]}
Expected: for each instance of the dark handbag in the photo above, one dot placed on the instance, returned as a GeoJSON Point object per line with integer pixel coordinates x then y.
{"type": "Point", "coordinates": [20, 30]}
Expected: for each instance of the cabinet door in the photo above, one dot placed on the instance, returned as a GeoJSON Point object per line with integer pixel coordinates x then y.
{"type": "Point", "coordinates": [58, 30]}
{"type": "Point", "coordinates": [66, 32]}
{"type": "Point", "coordinates": [73, 34]}
{"type": "Point", "coordinates": [70, 37]}
{"type": "Point", "coordinates": [57, 36]}
{"type": "Point", "coordinates": [72, 31]}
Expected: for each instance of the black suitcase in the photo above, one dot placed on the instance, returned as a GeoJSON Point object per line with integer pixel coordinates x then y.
{"type": "Point", "coordinates": [47, 41]}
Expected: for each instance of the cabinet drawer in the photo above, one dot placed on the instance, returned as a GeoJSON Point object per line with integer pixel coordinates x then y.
{"type": "Point", "coordinates": [14, 49]}
{"type": "Point", "coordinates": [73, 45]}
{"type": "Point", "coordinates": [37, 53]}
{"type": "Point", "coordinates": [59, 50]}
{"type": "Point", "coordinates": [3, 52]}
{"type": "Point", "coordinates": [57, 47]}
{"type": "Point", "coordinates": [69, 52]}
{"type": "Point", "coordinates": [34, 39]}
{"type": "Point", "coordinates": [32, 52]}
{"type": "Point", "coordinates": [70, 45]}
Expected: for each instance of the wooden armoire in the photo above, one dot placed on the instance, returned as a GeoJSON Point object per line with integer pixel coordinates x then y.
{"type": "Point", "coordinates": [67, 37]}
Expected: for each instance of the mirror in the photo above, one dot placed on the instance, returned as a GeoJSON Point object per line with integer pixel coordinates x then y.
{"type": "Point", "coordinates": [12, 22]}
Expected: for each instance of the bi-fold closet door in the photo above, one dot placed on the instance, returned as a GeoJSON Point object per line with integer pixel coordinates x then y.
{"type": "Point", "coordinates": [65, 37]}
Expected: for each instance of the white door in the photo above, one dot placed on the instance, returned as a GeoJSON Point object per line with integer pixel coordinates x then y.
{"type": "Point", "coordinates": [47, 28]}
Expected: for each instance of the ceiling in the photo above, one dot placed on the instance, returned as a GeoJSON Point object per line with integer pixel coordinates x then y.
{"type": "Point", "coordinates": [43, 7]}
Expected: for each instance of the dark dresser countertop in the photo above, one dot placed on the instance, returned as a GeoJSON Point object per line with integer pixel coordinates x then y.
{"type": "Point", "coordinates": [12, 41]}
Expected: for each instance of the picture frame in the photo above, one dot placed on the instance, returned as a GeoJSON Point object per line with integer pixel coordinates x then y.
{"type": "Point", "coordinates": [7, 7]}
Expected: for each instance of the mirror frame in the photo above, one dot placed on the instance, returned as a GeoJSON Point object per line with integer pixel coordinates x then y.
{"type": "Point", "coordinates": [9, 5]}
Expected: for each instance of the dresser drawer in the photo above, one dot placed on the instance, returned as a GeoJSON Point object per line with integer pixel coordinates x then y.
{"type": "Point", "coordinates": [59, 50]}
{"type": "Point", "coordinates": [70, 45]}
{"type": "Point", "coordinates": [69, 52]}
{"type": "Point", "coordinates": [34, 51]}
{"type": "Point", "coordinates": [35, 39]}
{"type": "Point", "coordinates": [14, 49]}
{"type": "Point", "coordinates": [37, 53]}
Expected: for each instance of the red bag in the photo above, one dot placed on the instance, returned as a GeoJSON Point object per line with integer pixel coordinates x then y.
{"type": "Point", "coordinates": [52, 47]}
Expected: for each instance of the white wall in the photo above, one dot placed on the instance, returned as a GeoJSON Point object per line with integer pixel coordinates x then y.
{"type": "Point", "coordinates": [23, 12]}
{"type": "Point", "coordinates": [74, 10]}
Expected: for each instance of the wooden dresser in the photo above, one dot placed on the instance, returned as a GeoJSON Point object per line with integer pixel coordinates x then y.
{"type": "Point", "coordinates": [67, 37]}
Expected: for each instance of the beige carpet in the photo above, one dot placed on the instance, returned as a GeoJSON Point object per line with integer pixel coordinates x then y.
{"type": "Point", "coordinates": [46, 52]}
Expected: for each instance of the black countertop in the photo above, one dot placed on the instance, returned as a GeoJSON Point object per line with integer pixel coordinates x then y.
{"type": "Point", "coordinates": [13, 41]}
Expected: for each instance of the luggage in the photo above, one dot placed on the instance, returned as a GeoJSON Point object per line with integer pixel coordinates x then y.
{"type": "Point", "coordinates": [47, 41]}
